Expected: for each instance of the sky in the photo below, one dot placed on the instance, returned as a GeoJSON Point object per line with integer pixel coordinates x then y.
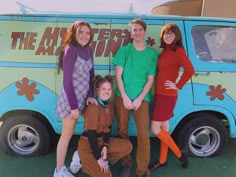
{"type": "Point", "coordinates": [112, 6]}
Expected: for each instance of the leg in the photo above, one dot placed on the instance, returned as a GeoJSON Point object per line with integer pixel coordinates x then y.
{"type": "Point", "coordinates": [122, 115]}
{"type": "Point", "coordinates": [115, 152]}
{"type": "Point", "coordinates": [156, 127]}
{"type": "Point", "coordinates": [164, 147]}
{"type": "Point", "coordinates": [141, 116]}
{"type": "Point", "coordinates": [88, 161]}
{"type": "Point", "coordinates": [68, 126]}
{"type": "Point", "coordinates": [164, 136]}
{"type": "Point", "coordinates": [167, 139]}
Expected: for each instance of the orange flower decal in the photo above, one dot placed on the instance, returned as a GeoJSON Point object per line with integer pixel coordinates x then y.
{"type": "Point", "coordinates": [27, 89]}
{"type": "Point", "coordinates": [150, 41]}
{"type": "Point", "coordinates": [216, 92]}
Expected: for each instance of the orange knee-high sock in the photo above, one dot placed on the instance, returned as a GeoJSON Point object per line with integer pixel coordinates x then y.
{"type": "Point", "coordinates": [166, 138]}
{"type": "Point", "coordinates": [163, 152]}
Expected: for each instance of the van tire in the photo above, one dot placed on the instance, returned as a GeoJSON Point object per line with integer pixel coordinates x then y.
{"type": "Point", "coordinates": [24, 136]}
{"type": "Point", "coordinates": [203, 136]}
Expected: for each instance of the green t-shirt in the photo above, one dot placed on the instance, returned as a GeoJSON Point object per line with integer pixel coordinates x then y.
{"type": "Point", "coordinates": [137, 66]}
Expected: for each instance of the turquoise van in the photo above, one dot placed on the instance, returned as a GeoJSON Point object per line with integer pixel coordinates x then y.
{"type": "Point", "coordinates": [205, 115]}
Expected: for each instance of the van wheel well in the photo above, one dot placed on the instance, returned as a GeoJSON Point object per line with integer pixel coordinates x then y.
{"type": "Point", "coordinates": [34, 114]}
{"type": "Point", "coordinates": [27, 127]}
{"type": "Point", "coordinates": [191, 116]}
{"type": "Point", "coordinates": [204, 134]}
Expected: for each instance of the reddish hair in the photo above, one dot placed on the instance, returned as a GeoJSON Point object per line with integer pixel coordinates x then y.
{"type": "Point", "coordinates": [178, 37]}
{"type": "Point", "coordinates": [70, 38]}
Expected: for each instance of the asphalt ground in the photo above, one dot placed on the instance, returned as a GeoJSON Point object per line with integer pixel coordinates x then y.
{"type": "Point", "coordinates": [223, 165]}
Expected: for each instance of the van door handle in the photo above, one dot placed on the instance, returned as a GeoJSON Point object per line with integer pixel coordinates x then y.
{"type": "Point", "coordinates": [201, 73]}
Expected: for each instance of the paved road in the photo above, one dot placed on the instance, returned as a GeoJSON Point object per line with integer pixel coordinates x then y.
{"type": "Point", "coordinates": [220, 166]}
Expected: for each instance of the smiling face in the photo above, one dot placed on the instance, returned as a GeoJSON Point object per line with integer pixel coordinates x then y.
{"type": "Point", "coordinates": [138, 32]}
{"type": "Point", "coordinates": [169, 37]}
{"type": "Point", "coordinates": [83, 35]}
{"type": "Point", "coordinates": [104, 91]}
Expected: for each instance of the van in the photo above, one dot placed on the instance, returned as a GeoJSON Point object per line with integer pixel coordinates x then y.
{"type": "Point", "coordinates": [205, 114]}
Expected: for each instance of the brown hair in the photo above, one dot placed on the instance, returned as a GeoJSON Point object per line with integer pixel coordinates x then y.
{"type": "Point", "coordinates": [178, 37]}
{"type": "Point", "coordinates": [98, 80]}
{"type": "Point", "coordinates": [70, 38]}
{"type": "Point", "coordinates": [138, 21]}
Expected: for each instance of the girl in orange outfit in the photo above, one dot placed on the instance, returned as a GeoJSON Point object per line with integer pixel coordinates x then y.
{"type": "Point", "coordinates": [171, 59]}
{"type": "Point", "coordinates": [95, 146]}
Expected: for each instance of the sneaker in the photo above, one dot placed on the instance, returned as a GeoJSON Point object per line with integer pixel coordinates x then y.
{"type": "Point", "coordinates": [75, 164]}
{"type": "Point", "coordinates": [126, 171]}
{"type": "Point", "coordinates": [63, 172]}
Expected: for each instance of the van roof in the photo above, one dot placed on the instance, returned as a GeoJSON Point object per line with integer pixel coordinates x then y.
{"type": "Point", "coordinates": [114, 16]}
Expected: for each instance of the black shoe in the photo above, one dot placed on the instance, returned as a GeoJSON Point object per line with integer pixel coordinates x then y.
{"type": "Point", "coordinates": [184, 159]}
{"type": "Point", "coordinates": [126, 171]}
{"type": "Point", "coordinates": [156, 165]}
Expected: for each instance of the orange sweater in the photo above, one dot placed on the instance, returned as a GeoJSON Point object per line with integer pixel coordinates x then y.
{"type": "Point", "coordinates": [168, 66]}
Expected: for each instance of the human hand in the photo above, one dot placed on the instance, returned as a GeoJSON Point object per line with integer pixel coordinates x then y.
{"type": "Point", "coordinates": [91, 100]}
{"type": "Point", "coordinates": [74, 114]}
{"type": "Point", "coordinates": [103, 165]}
{"type": "Point", "coordinates": [127, 103]}
{"type": "Point", "coordinates": [170, 85]}
{"type": "Point", "coordinates": [136, 103]}
{"type": "Point", "coordinates": [104, 153]}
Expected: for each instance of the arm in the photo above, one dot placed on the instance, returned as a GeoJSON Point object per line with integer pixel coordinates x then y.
{"type": "Point", "coordinates": [106, 138]}
{"type": "Point", "coordinates": [186, 64]}
{"type": "Point", "coordinates": [126, 100]}
{"type": "Point", "coordinates": [92, 138]}
{"type": "Point", "coordinates": [91, 123]}
{"type": "Point", "coordinates": [137, 102]}
{"type": "Point", "coordinates": [68, 67]}
{"type": "Point", "coordinates": [105, 144]}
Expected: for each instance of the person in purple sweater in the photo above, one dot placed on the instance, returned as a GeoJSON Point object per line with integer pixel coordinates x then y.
{"type": "Point", "coordinates": [76, 61]}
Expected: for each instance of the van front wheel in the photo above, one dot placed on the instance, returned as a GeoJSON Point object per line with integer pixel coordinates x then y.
{"type": "Point", "coordinates": [203, 136]}
{"type": "Point", "coordinates": [25, 136]}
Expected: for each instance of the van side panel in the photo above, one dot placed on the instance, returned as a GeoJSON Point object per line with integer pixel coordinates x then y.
{"type": "Point", "coordinates": [210, 49]}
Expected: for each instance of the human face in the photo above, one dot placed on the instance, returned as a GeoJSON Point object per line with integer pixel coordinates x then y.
{"type": "Point", "coordinates": [83, 35]}
{"type": "Point", "coordinates": [138, 33]}
{"type": "Point", "coordinates": [168, 37]}
{"type": "Point", "coordinates": [104, 91]}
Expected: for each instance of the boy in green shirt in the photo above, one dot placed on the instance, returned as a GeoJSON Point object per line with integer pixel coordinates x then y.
{"type": "Point", "coordinates": [135, 73]}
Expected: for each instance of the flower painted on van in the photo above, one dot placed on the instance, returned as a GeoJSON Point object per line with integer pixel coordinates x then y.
{"type": "Point", "coordinates": [150, 41]}
{"type": "Point", "coordinates": [27, 89]}
{"type": "Point", "coordinates": [216, 92]}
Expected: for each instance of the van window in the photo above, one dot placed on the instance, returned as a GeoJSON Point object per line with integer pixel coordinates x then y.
{"type": "Point", "coordinates": [215, 43]}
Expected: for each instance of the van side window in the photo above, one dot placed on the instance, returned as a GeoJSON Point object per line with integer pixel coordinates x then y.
{"type": "Point", "coordinates": [215, 43]}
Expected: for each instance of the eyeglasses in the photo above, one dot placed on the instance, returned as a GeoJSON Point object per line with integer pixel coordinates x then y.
{"type": "Point", "coordinates": [169, 34]}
